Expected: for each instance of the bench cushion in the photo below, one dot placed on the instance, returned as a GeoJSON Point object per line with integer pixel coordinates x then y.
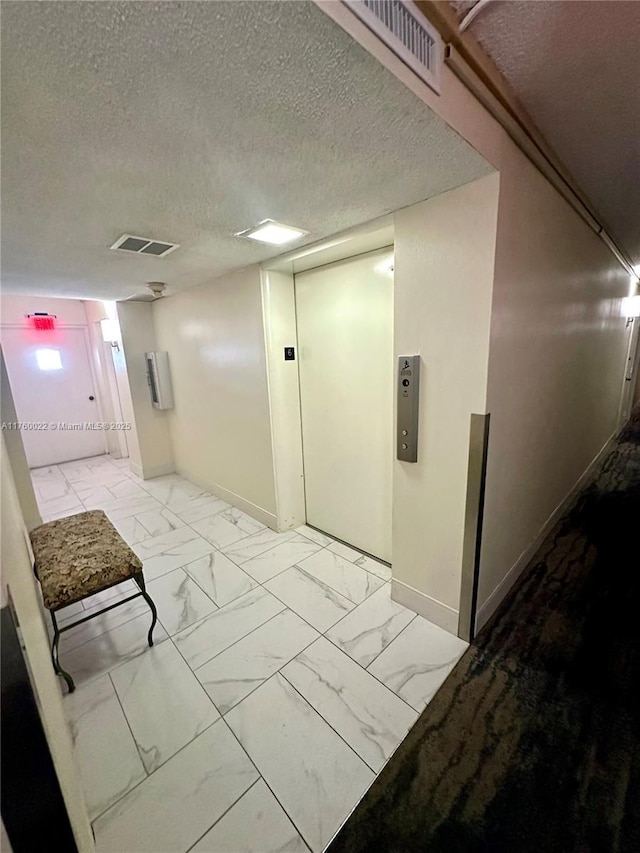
{"type": "Point", "coordinates": [78, 556]}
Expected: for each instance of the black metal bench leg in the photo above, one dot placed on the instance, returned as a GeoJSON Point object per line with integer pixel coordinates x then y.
{"type": "Point", "coordinates": [54, 655]}
{"type": "Point", "coordinates": [139, 579]}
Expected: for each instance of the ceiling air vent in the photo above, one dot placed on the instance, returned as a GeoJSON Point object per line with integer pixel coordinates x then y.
{"type": "Point", "coordinates": [404, 29]}
{"type": "Point", "coordinates": [143, 246]}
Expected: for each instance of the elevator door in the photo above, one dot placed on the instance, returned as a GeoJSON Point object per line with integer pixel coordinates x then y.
{"type": "Point", "coordinates": [345, 340]}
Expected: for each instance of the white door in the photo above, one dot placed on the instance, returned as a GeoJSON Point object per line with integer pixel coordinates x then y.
{"type": "Point", "coordinates": [52, 384]}
{"type": "Point", "coordinates": [345, 341]}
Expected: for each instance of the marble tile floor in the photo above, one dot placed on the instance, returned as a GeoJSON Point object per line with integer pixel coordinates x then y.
{"type": "Point", "coordinates": [281, 681]}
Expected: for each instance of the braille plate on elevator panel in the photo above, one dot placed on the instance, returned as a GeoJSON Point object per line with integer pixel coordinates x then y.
{"type": "Point", "coordinates": [408, 390]}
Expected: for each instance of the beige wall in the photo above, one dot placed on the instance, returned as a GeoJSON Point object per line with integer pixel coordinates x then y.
{"type": "Point", "coordinates": [220, 426]}
{"type": "Point", "coordinates": [279, 305]}
{"type": "Point", "coordinates": [444, 255]}
{"type": "Point", "coordinates": [16, 454]}
{"type": "Point", "coordinates": [150, 450]}
{"type": "Point", "coordinates": [18, 578]}
{"type": "Point", "coordinates": [556, 365]}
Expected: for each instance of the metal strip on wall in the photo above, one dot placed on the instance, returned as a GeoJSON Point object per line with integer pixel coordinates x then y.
{"type": "Point", "coordinates": [476, 478]}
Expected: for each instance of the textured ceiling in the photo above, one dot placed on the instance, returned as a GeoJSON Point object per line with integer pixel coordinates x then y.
{"type": "Point", "coordinates": [575, 68]}
{"type": "Point", "coordinates": [187, 122]}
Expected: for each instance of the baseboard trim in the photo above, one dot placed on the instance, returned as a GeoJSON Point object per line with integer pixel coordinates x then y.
{"type": "Point", "coordinates": [255, 511]}
{"type": "Point", "coordinates": [486, 611]}
{"type": "Point", "coordinates": [422, 604]}
{"type": "Point", "coordinates": [149, 472]}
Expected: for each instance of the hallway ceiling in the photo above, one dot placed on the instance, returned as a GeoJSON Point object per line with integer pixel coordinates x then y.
{"type": "Point", "coordinates": [574, 67]}
{"type": "Point", "coordinates": [186, 122]}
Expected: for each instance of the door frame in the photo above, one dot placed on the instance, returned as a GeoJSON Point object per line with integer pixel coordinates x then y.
{"type": "Point", "coordinates": [283, 380]}
{"type": "Point", "coordinates": [87, 346]}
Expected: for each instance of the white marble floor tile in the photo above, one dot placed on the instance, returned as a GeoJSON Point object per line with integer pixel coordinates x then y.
{"type": "Point", "coordinates": [220, 578]}
{"type": "Point", "coordinates": [213, 634]}
{"type": "Point", "coordinates": [164, 543]}
{"type": "Point", "coordinates": [58, 507]}
{"type": "Point", "coordinates": [364, 712]}
{"type": "Point", "coordinates": [126, 488]}
{"type": "Point", "coordinates": [104, 748]}
{"type": "Point", "coordinates": [350, 581]}
{"type": "Point", "coordinates": [316, 777]}
{"type": "Point", "coordinates": [255, 824]}
{"type": "Point", "coordinates": [260, 542]}
{"type": "Point", "coordinates": [68, 614]}
{"type": "Point", "coordinates": [159, 521]}
{"type": "Point", "coordinates": [111, 649]}
{"type": "Point", "coordinates": [121, 463]}
{"type": "Point", "coordinates": [175, 558]}
{"type": "Point", "coordinates": [361, 560]}
{"type": "Point", "coordinates": [275, 560]}
{"type": "Point", "coordinates": [317, 602]}
{"type": "Point", "coordinates": [371, 626]}
{"type": "Point", "coordinates": [176, 805]}
{"type": "Point", "coordinates": [121, 590]}
{"type": "Point", "coordinates": [245, 522]}
{"type": "Point", "coordinates": [205, 508]}
{"type": "Point", "coordinates": [133, 506]}
{"type": "Point", "coordinates": [63, 513]}
{"type": "Point", "coordinates": [177, 496]}
{"type": "Point", "coordinates": [321, 538]}
{"type": "Point", "coordinates": [227, 527]}
{"type": "Point", "coordinates": [164, 480]}
{"type": "Point", "coordinates": [99, 625]}
{"type": "Point", "coordinates": [52, 489]}
{"type": "Point", "coordinates": [96, 497]}
{"type": "Point", "coordinates": [417, 662]}
{"type": "Point", "coordinates": [50, 472]}
{"type": "Point", "coordinates": [179, 600]}
{"type": "Point", "coordinates": [131, 530]}
{"type": "Point", "coordinates": [234, 673]}
{"type": "Point", "coordinates": [164, 703]}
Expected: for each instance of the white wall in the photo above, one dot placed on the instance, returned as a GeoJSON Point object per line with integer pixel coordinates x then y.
{"type": "Point", "coordinates": [284, 393]}
{"type": "Point", "coordinates": [15, 451]}
{"type": "Point", "coordinates": [150, 450]}
{"type": "Point", "coordinates": [556, 365]}
{"type": "Point", "coordinates": [95, 312]}
{"type": "Point", "coordinates": [13, 309]}
{"type": "Point", "coordinates": [220, 426]}
{"type": "Point", "coordinates": [18, 578]}
{"type": "Point", "coordinates": [444, 256]}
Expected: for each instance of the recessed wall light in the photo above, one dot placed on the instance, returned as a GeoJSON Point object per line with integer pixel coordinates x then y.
{"type": "Point", "coordinates": [274, 233]}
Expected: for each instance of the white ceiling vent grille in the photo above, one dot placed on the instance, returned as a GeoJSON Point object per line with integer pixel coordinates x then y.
{"type": "Point", "coordinates": [404, 29]}
{"type": "Point", "coordinates": [144, 246]}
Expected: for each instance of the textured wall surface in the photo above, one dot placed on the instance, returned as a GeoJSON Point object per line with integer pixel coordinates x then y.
{"type": "Point", "coordinates": [189, 121]}
{"type": "Point", "coordinates": [556, 363]}
{"type": "Point", "coordinates": [574, 66]}
{"type": "Point", "coordinates": [220, 425]}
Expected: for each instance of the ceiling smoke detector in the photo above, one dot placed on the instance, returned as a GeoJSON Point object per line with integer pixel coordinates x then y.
{"type": "Point", "coordinates": [144, 246]}
{"type": "Point", "coordinates": [157, 288]}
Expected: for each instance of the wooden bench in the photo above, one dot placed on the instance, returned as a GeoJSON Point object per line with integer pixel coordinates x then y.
{"type": "Point", "coordinates": [78, 556]}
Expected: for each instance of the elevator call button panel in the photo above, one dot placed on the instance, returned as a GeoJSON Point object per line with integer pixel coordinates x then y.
{"type": "Point", "coordinates": [408, 407]}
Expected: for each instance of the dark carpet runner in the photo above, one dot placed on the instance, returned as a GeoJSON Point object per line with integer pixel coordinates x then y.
{"type": "Point", "coordinates": [533, 742]}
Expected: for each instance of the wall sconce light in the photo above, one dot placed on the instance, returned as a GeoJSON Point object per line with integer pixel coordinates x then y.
{"type": "Point", "coordinates": [110, 332]}
{"type": "Point", "coordinates": [631, 308]}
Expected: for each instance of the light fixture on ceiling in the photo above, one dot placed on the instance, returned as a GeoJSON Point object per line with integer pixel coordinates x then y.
{"type": "Point", "coordinates": [157, 288]}
{"type": "Point", "coordinates": [274, 233]}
